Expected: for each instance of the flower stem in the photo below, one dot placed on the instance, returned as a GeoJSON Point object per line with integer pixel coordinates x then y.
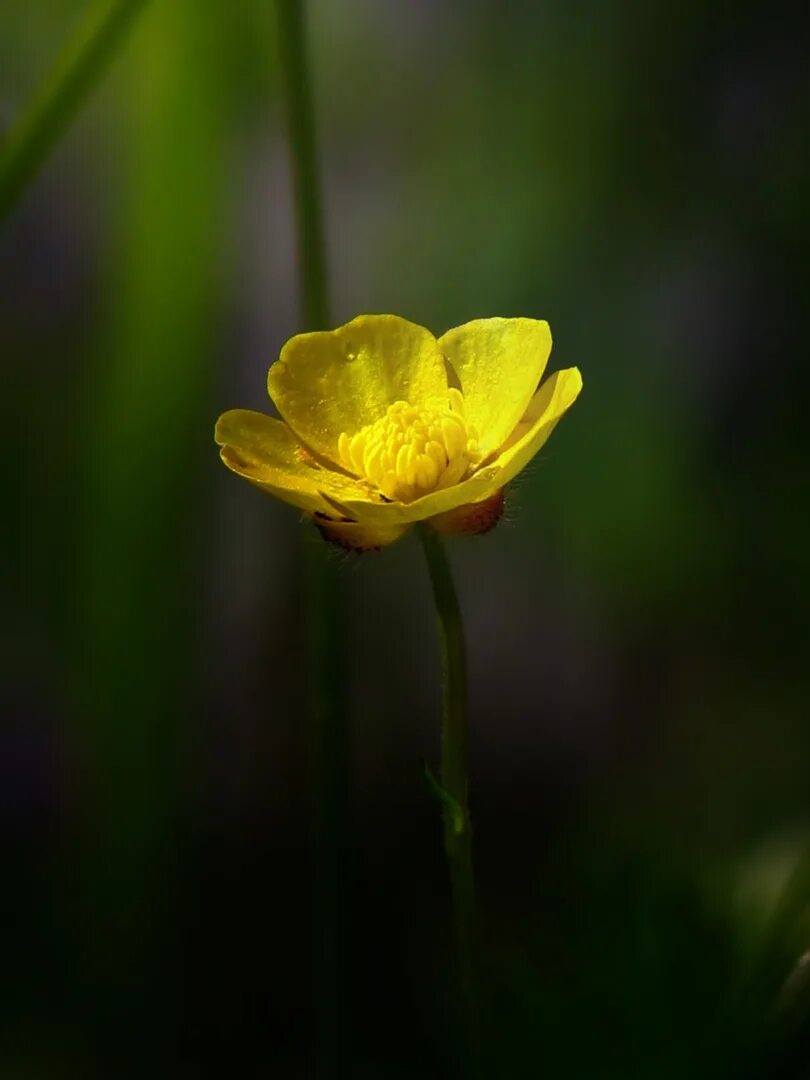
{"type": "Point", "coordinates": [455, 778]}
{"type": "Point", "coordinates": [325, 655]}
{"type": "Point", "coordinates": [72, 78]}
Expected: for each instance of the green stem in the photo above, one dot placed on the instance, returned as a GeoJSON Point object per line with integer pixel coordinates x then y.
{"type": "Point", "coordinates": [455, 777]}
{"type": "Point", "coordinates": [327, 701]}
{"type": "Point", "coordinates": [301, 133]}
{"type": "Point", "coordinates": [77, 70]}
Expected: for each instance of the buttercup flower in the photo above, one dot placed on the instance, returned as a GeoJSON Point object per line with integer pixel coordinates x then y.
{"type": "Point", "coordinates": [382, 425]}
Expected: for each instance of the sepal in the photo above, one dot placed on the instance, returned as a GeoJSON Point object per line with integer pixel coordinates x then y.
{"type": "Point", "coordinates": [472, 519]}
{"type": "Point", "coordinates": [355, 535]}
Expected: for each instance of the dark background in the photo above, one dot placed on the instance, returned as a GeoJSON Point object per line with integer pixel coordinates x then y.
{"type": "Point", "coordinates": [637, 627]}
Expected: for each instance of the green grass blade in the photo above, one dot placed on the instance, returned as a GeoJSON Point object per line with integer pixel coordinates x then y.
{"type": "Point", "coordinates": [147, 450]}
{"type": "Point", "coordinates": [77, 70]}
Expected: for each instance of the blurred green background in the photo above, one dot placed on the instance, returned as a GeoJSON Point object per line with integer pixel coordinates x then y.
{"type": "Point", "coordinates": [637, 627]}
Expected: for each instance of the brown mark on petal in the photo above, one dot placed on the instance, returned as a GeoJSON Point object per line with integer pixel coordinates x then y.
{"type": "Point", "coordinates": [474, 519]}
{"type": "Point", "coordinates": [302, 453]}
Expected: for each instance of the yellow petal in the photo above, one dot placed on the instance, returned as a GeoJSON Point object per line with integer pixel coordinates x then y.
{"type": "Point", "coordinates": [557, 394]}
{"type": "Point", "coordinates": [548, 406]}
{"type": "Point", "coordinates": [267, 453]}
{"type": "Point", "coordinates": [499, 363]}
{"type": "Point", "coordinates": [340, 380]}
{"type": "Point", "coordinates": [355, 536]}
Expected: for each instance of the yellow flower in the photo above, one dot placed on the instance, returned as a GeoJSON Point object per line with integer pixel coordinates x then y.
{"type": "Point", "coordinates": [382, 425]}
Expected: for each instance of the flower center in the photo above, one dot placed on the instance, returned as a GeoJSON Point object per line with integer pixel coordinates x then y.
{"type": "Point", "coordinates": [409, 451]}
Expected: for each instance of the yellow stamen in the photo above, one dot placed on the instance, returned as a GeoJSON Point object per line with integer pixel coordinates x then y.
{"type": "Point", "coordinates": [409, 451]}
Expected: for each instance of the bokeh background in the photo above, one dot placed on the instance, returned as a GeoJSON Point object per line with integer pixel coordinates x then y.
{"type": "Point", "coordinates": [637, 627]}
